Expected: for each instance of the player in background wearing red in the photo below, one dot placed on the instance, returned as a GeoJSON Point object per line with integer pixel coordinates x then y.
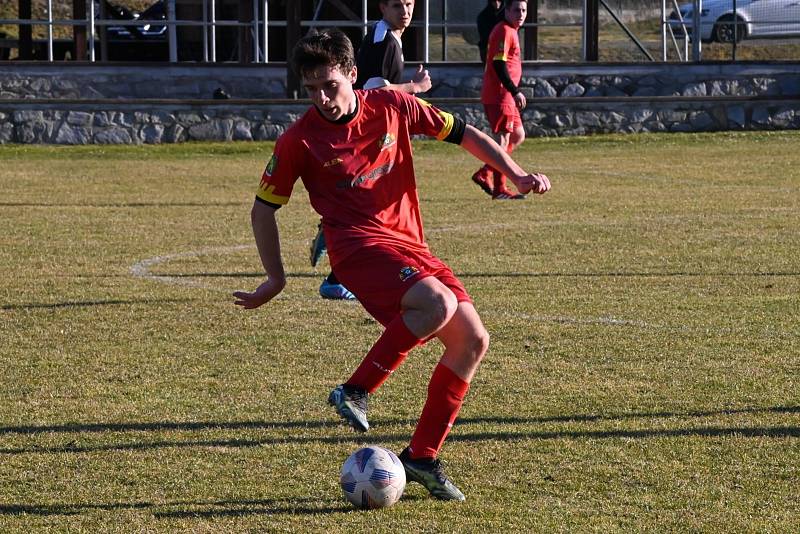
{"type": "Point", "coordinates": [380, 66]}
{"type": "Point", "coordinates": [502, 100]}
{"type": "Point", "coordinates": [352, 150]}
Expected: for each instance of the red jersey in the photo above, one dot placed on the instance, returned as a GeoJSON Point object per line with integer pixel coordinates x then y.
{"type": "Point", "coordinates": [503, 45]}
{"type": "Point", "coordinates": [359, 175]}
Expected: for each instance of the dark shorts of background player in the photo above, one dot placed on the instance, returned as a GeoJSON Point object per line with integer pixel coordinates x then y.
{"type": "Point", "coordinates": [379, 276]}
{"type": "Point", "coordinates": [502, 117]}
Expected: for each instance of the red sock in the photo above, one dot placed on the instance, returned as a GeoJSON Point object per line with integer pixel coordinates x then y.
{"type": "Point", "coordinates": [446, 392]}
{"type": "Point", "coordinates": [485, 171]}
{"type": "Point", "coordinates": [499, 182]}
{"type": "Point", "coordinates": [385, 356]}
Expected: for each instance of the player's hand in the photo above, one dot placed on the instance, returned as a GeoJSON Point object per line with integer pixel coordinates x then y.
{"type": "Point", "coordinates": [520, 101]}
{"type": "Point", "coordinates": [532, 183]}
{"type": "Point", "coordinates": [263, 294]}
{"type": "Point", "coordinates": [421, 80]}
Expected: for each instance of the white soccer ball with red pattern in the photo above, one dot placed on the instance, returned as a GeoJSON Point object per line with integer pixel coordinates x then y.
{"type": "Point", "coordinates": [373, 477]}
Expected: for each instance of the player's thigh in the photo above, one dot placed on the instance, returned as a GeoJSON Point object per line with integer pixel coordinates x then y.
{"type": "Point", "coordinates": [379, 276]}
{"type": "Point", "coordinates": [429, 293]}
{"type": "Point", "coordinates": [500, 118]}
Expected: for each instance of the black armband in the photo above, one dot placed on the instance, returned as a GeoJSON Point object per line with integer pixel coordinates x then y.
{"type": "Point", "coordinates": [456, 134]}
{"type": "Point", "coordinates": [501, 69]}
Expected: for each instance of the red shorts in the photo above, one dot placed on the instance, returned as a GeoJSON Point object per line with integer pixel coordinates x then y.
{"type": "Point", "coordinates": [502, 117]}
{"type": "Point", "coordinates": [379, 276]}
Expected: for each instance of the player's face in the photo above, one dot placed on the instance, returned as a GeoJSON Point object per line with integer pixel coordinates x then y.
{"type": "Point", "coordinates": [331, 90]}
{"type": "Point", "coordinates": [397, 13]}
{"type": "Point", "coordinates": [516, 13]}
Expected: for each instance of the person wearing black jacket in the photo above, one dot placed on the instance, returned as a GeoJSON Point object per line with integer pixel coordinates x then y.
{"type": "Point", "coordinates": [486, 21]}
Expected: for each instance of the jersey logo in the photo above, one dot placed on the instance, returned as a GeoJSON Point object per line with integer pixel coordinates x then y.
{"type": "Point", "coordinates": [386, 141]}
{"type": "Point", "coordinates": [331, 163]}
{"type": "Point", "coordinates": [273, 162]}
{"type": "Point", "coordinates": [408, 272]}
{"type": "Point", "coordinates": [371, 176]}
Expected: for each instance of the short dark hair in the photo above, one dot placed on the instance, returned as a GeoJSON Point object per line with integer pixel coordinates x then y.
{"type": "Point", "coordinates": [329, 47]}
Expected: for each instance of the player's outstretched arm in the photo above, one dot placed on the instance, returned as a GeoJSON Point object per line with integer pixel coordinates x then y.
{"type": "Point", "coordinates": [488, 151]}
{"type": "Point", "coordinates": [265, 230]}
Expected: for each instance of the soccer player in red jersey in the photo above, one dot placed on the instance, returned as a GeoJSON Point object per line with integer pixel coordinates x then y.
{"type": "Point", "coordinates": [380, 66]}
{"type": "Point", "coordinates": [352, 150]}
{"type": "Point", "coordinates": [502, 100]}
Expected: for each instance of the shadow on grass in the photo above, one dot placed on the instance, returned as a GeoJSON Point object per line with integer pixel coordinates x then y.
{"type": "Point", "coordinates": [609, 274]}
{"type": "Point", "coordinates": [461, 435]}
{"type": "Point", "coordinates": [120, 205]}
{"type": "Point", "coordinates": [185, 509]}
{"type": "Point", "coordinates": [89, 303]}
{"type": "Point", "coordinates": [623, 274]}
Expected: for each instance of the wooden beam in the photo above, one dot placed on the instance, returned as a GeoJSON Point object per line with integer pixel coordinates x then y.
{"type": "Point", "coordinates": [591, 29]}
{"type": "Point", "coordinates": [25, 30]}
{"type": "Point", "coordinates": [245, 37]}
{"type": "Point", "coordinates": [102, 32]}
{"type": "Point", "coordinates": [294, 14]}
{"type": "Point", "coordinates": [79, 32]}
{"type": "Point", "coordinates": [532, 33]}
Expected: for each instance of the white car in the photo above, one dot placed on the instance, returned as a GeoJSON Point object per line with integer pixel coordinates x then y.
{"type": "Point", "coordinates": [753, 19]}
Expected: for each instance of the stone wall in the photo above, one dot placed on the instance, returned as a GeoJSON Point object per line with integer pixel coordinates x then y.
{"type": "Point", "coordinates": [102, 104]}
{"type": "Point", "coordinates": [461, 80]}
{"type": "Point", "coordinates": [132, 123]}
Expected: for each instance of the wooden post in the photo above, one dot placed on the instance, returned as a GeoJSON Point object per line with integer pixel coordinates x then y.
{"type": "Point", "coordinates": [245, 37]}
{"type": "Point", "coordinates": [532, 33]}
{"type": "Point", "coordinates": [294, 15]}
{"type": "Point", "coordinates": [25, 30]}
{"type": "Point", "coordinates": [591, 30]}
{"type": "Point", "coordinates": [79, 32]}
{"type": "Point", "coordinates": [102, 32]}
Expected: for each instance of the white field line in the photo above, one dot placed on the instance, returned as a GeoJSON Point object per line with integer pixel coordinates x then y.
{"type": "Point", "coordinates": [141, 269]}
{"type": "Point", "coordinates": [611, 321]}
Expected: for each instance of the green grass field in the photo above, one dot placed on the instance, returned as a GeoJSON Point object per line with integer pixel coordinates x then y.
{"type": "Point", "coordinates": [642, 376]}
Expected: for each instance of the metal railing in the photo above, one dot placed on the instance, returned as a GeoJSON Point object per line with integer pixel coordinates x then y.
{"type": "Point", "coordinates": [728, 24]}
{"type": "Point", "coordinates": [675, 31]}
{"type": "Point", "coordinates": [259, 28]}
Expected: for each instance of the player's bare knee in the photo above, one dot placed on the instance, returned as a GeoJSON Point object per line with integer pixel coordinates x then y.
{"type": "Point", "coordinates": [442, 307]}
{"type": "Point", "coordinates": [479, 344]}
{"type": "Point", "coordinates": [517, 137]}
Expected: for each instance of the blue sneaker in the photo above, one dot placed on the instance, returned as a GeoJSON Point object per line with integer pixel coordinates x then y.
{"type": "Point", "coordinates": [318, 247]}
{"type": "Point", "coordinates": [335, 291]}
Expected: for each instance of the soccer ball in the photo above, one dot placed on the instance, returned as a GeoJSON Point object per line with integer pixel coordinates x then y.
{"type": "Point", "coordinates": [373, 477]}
